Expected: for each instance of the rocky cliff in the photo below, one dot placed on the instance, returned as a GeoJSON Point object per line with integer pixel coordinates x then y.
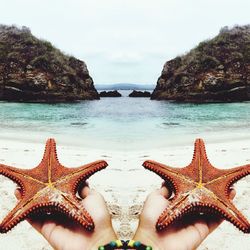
{"type": "Point", "coordinates": [32, 70]}
{"type": "Point", "coordinates": [217, 70]}
{"type": "Point", "coordinates": [136, 93]}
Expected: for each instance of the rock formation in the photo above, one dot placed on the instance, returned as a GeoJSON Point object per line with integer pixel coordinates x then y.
{"type": "Point", "coordinates": [136, 93]}
{"type": "Point", "coordinates": [32, 70]}
{"type": "Point", "coordinates": [113, 93]}
{"type": "Point", "coordinates": [217, 70]}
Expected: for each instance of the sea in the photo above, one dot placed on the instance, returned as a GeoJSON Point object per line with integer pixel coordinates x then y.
{"type": "Point", "coordinates": [125, 123]}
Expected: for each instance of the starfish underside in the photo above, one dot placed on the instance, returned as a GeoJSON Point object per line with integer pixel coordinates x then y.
{"type": "Point", "coordinates": [200, 188]}
{"type": "Point", "coordinates": [49, 188]}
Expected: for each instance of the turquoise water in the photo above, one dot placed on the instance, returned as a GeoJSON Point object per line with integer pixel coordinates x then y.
{"type": "Point", "coordinates": [125, 123]}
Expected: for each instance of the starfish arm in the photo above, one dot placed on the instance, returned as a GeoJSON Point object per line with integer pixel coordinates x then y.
{"type": "Point", "coordinates": [44, 201]}
{"type": "Point", "coordinates": [200, 164]}
{"type": "Point", "coordinates": [188, 203]}
{"type": "Point", "coordinates": [50, 149]}
{"type": "Point", "coordinates": [76, 176]}
{"type": "Point", "coordinates": [172, 176]}
{"type": "Point", "coordinates": [11, 173]}
{"type": "Point", "coordinates": [74, 209]}
{"type": "Point", "coordinates": [163, 172]}
{"type": "Point", "coordinates": [232, 214]}
{"type": "Point", "coordinates": [221, 187]}
{"type": "Point", "coordinates": [175, 210]}
{"type": "Point", "coordinates": [228, 212]}
{"type": "Point", "coordinates": [228, 177]}
{"type": "Point", "coordinates": [49, 167]}
{"type": "Point", "coordinates": [19, 176]}
{"type": "Point", "coordinates": [199, 149]}
{"type": "Point", "coordinates": [17, 214]}
{"type": "Point", "coordinates": [235, 174]}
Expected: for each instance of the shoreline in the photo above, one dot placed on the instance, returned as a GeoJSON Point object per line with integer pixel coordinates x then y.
{"type": "Point", "coordinates": [124, 201]}
{"type": "Point", "coordinates": [123, 143]}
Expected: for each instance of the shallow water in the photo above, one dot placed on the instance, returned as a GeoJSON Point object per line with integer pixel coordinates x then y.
{"type": "Point", "coordinates": [125, 123]}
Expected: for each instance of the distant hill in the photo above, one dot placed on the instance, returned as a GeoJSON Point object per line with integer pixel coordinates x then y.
{"type": "Point", "coordinates": [32, 70]}
{"type": "Point", "coordinates": [217, 70]}
{"type": "Point", "coordinates": [124, 86]}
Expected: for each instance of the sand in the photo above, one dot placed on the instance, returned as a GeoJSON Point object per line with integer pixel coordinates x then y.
{"type": "Point", "coordinates": [124, 185]}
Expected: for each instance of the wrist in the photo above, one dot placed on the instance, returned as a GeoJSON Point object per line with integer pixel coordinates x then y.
{"type": "Point", "coordinates": [106, 236]}
{"type": "Point", "coordinates": [147, 238]}
{"type": "Point", "coordinates": [121, 244]}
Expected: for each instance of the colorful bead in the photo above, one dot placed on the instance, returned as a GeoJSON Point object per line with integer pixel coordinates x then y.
{"type": "Point", "coordinates": [119, 243]}
{"type": "Point", "coordinates": [112, 243]}
{"type": "Point", "coordinates": [137, 243]}
{"type": "Point", "coordinates": [131, 243]}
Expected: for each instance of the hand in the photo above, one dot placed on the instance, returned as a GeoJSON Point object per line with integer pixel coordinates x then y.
{"type": "Point", "coordinates": [67, 235]}
{"type": "Point", "coordinates": [178, 236]}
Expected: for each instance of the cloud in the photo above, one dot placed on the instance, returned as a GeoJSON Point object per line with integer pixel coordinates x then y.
{"type": "Point", "coordinates": [121, 57]}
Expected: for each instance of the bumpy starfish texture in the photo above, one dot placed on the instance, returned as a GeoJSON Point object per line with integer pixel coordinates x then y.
{"type": "Point", "coordinates": [49, 188]}
{"type": "Point", "coordinates": [200, 188]}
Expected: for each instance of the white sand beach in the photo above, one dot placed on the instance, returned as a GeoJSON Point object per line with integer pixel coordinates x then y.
{"type": "Point", "coordinates": [124, 184]}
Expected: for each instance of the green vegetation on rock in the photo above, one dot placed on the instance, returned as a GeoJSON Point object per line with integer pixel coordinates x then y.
{"type": "Point", "coordinates": [33, 70]}
{"type": "Point", "coordinates": [217, 70]}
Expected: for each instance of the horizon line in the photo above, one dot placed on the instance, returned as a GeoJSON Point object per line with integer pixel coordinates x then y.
{"type": "Point", "coordinates": [134, 83]}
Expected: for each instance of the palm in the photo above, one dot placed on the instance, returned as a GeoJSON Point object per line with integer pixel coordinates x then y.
{"type": "Point", "coordinates": [62, 236]}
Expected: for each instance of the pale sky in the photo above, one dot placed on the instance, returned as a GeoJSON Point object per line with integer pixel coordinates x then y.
{"type": "Point", "coordinates": [125, 41]}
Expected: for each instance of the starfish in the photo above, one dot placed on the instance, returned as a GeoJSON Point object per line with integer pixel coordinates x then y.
{"type": "Point", "coordinates": [49, 188]}
{"type": "Point", "coordinates": [200, 188]}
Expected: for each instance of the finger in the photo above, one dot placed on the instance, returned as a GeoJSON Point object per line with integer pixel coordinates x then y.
{"type": "Point", "coordinates": [164, 191]}
{"type": "Point", "coordinates": [160, 194]}
{"type": "Point", "coordinates": [94, 192]}
{"type": "Point", "coordinates": [85, 190]}
{"type": "Point", "coordinates": [18, 193]}
{"type": "Point", "coordinates": [232, 194]}
{"type": "Point", "coordinates": [36, 224]}
{"type": "Point", "coordinates": [46, 229]}
{"type": "Point", "coordinates": [150, 210]}
{"type": "Point", "coordinates": [202, 230]}
{"type": "Point", "coordinates": [214, 223]}
{"type": "Point", "coordinates": [90, 194]}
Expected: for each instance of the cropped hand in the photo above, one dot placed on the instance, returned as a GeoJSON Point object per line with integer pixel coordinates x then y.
{"type": "Point", "coordinates": [64, 234]}
{"type": "Point", "coordinates": [178, 236]}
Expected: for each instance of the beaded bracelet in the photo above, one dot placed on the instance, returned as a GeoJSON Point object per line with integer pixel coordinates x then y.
{"type": "Point", "coordinates": [129, 244]}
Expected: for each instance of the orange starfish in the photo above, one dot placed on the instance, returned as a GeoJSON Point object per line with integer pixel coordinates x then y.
{"type": "Point", "coordinates": [49, 187]}
{"type": "Point", "coordinates": [200, 188]}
